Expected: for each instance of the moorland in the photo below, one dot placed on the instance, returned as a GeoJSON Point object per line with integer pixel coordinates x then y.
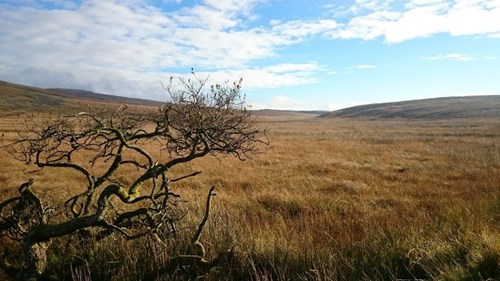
{"type": "Point", "coordinates": [332, 198]}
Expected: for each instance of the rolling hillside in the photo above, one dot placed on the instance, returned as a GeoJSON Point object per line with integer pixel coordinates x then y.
{"type": "Point", "coordinates": [15, 98]}
{"type": "Point", "coordinates": [89, 95]}
{"type": "Point", "coordinates": [18, 98]}
{"type": "Point", "coordinates": [427, 109]}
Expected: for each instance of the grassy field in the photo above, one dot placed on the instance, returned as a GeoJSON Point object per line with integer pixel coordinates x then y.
{"type": "Point", "coordinates": [328, 199]}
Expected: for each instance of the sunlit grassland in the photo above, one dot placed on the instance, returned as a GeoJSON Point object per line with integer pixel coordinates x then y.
{"type": "Point", "coordinates": [328, 199]}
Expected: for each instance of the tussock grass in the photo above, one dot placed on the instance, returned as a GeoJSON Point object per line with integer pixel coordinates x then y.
{"type": "Point", "coordinates": [329, 199]}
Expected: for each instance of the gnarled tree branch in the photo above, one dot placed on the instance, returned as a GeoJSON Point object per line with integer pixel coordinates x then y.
{"type": "Point", "coordinates": [97, 144]}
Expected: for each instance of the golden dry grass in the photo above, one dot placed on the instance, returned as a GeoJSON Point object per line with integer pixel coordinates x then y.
{"type": "Point", "coordinates": [340, 199]}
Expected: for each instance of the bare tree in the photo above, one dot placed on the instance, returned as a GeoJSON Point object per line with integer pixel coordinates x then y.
{"type": "Point", "coordinates": [200, 120]}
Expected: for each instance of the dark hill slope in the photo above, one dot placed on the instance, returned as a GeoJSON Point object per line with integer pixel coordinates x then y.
{"type": "Point", "coordinates": [16, 99]}
{"type": "Point", "coordinates": [428, 109]}
{"type": "Point", "coordinates": [89, 95]}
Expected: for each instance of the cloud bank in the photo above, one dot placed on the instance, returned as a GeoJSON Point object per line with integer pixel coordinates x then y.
{"type": "Point", "coordinates": [128, 47]}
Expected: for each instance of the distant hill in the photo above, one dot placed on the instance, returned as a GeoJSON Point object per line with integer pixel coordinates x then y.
{"type": "Point", "coordinates": [280, 112]}
{"type": "Point", "coordinates": [428, 109]}
{"type": "Point", "coordinates": [15, 98]}
{"type": "Point", "coordinates": [19, 98]}
{"type": "Point", "coordinates": [274, 115]}
{"type": "Point", "coordinates": [89, 95]}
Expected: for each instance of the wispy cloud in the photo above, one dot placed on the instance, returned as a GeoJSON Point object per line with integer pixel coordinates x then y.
{"type": "Point", "coordinates": [272, 76]}
{"type": "Point", "coordinates": [298, 29]}
{"type": "Point", "coordinates": [363, 66]}
{"type": "Point", "coordinates": [453, 57]}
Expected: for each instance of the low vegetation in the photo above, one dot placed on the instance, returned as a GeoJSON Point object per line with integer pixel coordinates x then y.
{"type": "Point", "coordinates": [478, 107]}
{"type": "Point", "coordinates": [328, 199]}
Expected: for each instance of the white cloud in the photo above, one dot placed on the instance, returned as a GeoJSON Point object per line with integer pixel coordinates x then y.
{"type": "Point", "coordinates": [358, 7]}
{"type": "Point", "coordinates": [374, 5]}
{"type": "Point", "coordinates": [363, 66]}
{"type": "Point", "coordinates": [205, 18]}
{"type": "Point", "coordinates": [420, 18]}
{"type": "Point", "coordinates": [454, 57]}
{"type": "Point", "coordinates": [233, 6]}
{"type": "Point", "coordinates": [300, 29]}
{"type": "Point", "coordinates": [417, 22]}
{"type": "Point", "coordinates": [127, 47]}
{"type": "Point", "coordinates": [419, 3]}
{"type": "Point", "coordinates": [337, 106]}
{"type": "Point", "coordinates": [278, 102]}
{"type": "Point", "coordinates": [274, 22]}
{"type": "Point", "coordinates": [366, 27]}
{"type": "Point", "coordinates": [359, 67]}
{"type": "Point", "coordinates": [273, 76]}
{"type": "Point", "coordinates": [285, 102]}
{"type": "Point", "coordinates": [469, 18]}
{"type": "Point", "coordinates": [290, 67]}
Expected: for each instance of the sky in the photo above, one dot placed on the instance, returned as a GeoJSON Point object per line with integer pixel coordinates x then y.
{"type": "Point", "coordinates": [291, 54]}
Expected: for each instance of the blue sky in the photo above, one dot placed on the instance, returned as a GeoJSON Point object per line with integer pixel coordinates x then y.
{"type": "Point", "coordinates": [291, 54]}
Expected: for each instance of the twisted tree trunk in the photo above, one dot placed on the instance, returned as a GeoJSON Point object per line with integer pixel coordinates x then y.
{"type": "Point", "coordinates": [35, 255]}
{"type": "Point", "coordinates": [200, 120]}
